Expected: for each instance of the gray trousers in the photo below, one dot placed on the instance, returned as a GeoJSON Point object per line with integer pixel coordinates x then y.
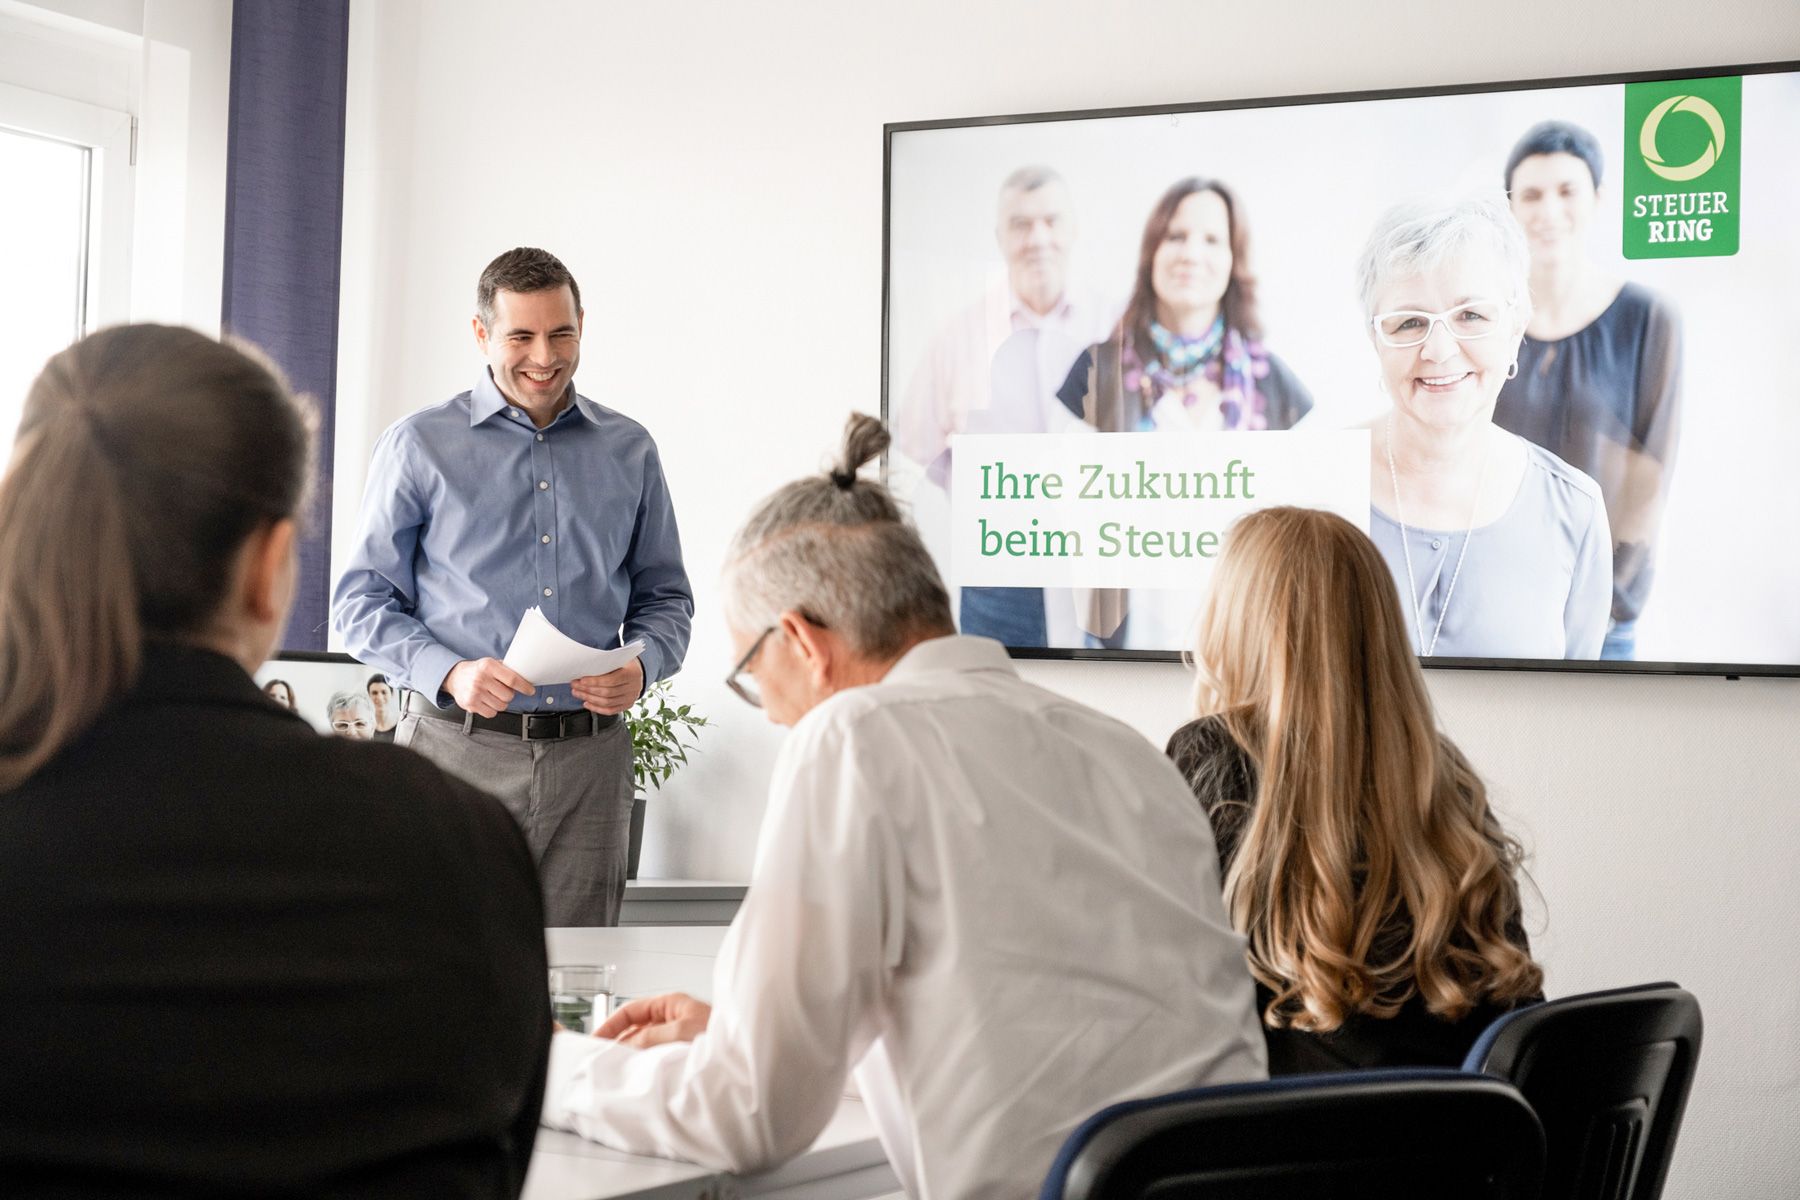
{"type": "Point", "coordinates": [571, 797]}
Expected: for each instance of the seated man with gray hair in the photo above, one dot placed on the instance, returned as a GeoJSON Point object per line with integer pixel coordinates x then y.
{"type": "Point", "coordinates": [1000, 907]}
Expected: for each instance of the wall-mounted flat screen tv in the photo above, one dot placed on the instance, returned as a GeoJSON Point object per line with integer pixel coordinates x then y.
{"type": "Point", "coordinates": [1536, 339]}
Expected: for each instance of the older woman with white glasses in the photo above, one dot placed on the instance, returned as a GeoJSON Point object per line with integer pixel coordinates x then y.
{"type": "Point", "coordinates": [1499, 548]}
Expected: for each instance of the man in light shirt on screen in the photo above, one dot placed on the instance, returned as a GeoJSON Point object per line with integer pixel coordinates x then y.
{"type": "Point", "coordinates": [1000, 907]}
{"type": "Point", "coordinates": [995, 368]}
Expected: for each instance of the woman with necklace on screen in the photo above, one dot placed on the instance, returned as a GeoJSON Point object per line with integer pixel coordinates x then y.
{"type": "Point", "coordinates": [1186, 356]}
{"type": "Point", "coordinates": [1376, 889]}
{"type": "Point", "coordinates": [1498, 547]}
{"type": "Point", "coordinates": [226, 935]}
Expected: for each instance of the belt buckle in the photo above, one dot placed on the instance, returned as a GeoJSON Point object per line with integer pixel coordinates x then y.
{"type": "Point", "coordinates": [526, 721]}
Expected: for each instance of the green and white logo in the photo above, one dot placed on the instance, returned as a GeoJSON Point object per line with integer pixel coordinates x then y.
{"type": "Point", "coordinates": [1682, 157]}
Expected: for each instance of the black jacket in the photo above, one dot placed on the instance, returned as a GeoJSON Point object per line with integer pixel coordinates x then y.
{"type": "Point", "coordinates": [239, 958]}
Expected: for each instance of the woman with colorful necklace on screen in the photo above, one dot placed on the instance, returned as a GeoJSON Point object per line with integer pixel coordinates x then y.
{"type": "Point", "coordinates": [1599, 378]}
{"type": "Point", "coordinates": [1187, 356]}
{"type": "Point", "coordinates": [1499, 548]}
{"type": "Point", "coordinates": [1375, 887]}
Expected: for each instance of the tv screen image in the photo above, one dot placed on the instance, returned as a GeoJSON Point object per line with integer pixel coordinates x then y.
{"type": "Point", "coordinates": [335, 693]}
{"type": "Point", "coordinates": [1560, 389]}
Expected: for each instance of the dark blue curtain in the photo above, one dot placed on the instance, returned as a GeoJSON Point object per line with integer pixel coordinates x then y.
{"type": "Point", "coordinates": [284, 201]}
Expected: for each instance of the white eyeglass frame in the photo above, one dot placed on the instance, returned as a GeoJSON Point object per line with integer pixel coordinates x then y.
{"type": "Point", "coordinates": [1432, 320]}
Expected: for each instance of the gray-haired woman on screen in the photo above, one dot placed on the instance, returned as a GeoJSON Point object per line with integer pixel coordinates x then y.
{"type": "Point", "coordinates": [1499, 548]}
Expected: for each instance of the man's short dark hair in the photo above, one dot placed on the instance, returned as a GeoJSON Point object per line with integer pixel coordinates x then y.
{"type": "Point", "coordinates": [522, 269]}
{"type": "Point", "coordinates": [1556, 137]}
{"type": "Point", "coordinates": [375, 679]}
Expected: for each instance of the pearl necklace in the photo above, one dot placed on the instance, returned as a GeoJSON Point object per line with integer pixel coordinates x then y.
{"type": "Point", "coordinates": [1412, 585]}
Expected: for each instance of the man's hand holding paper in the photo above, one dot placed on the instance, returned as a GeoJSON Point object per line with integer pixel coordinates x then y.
{"type": "Point", "coordinates": [612, 692]}
{"type": "Point", "coordinates": [605, 681]}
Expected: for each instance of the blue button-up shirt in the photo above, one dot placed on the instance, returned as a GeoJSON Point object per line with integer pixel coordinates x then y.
{"type": "Point", "coordinates": [472, 515]}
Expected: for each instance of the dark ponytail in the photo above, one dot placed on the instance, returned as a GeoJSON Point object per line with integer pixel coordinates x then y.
{"type": "Point", "coordinates": [145, 458]}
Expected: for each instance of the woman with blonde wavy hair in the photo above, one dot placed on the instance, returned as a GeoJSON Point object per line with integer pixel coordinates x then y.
{"type": "Point", "coordinates": [1360, 859]}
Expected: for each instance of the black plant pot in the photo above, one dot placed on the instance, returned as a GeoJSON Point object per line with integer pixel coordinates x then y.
{"type": "Point", "coordinates": [637, 837]}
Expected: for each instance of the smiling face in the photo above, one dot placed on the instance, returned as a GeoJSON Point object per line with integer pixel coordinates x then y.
{"type": "Point", "coordinates": [1446, 382]}
{"type": "Point", "coordinates": [532, 346]}
{"type": "Point", "coordinates": [1035, 227]}
{"type": "Point", "coordinates": [352, 723]}
{"type": "Point", "coordinates": [381, 696]}
{"type": "Point", "coordinates": [1192, 264]}
{"type": "Point", "coordinates": [1554, 198]}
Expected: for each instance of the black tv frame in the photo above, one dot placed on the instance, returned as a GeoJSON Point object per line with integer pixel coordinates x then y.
{"type": "Point", "coordinates": [1571, 666]}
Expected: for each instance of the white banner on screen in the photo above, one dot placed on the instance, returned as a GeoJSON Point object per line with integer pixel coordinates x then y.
{"type": "Point", "coordinates": [1133, 510]}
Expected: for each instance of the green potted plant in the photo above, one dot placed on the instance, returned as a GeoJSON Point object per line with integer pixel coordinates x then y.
{"type": "Point", "coordinates": [661, 733]}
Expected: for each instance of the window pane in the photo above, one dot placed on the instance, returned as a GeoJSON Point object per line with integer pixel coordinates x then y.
{"type": "Point", "coordinates": [42, 237]}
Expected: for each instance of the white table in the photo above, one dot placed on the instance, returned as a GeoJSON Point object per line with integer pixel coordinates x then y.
{"type": "Point", "coordinates": [845, 1163]}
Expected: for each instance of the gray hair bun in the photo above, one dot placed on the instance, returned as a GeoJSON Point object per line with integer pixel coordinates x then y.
{"type": "Point", "coordinates": [865, 439]}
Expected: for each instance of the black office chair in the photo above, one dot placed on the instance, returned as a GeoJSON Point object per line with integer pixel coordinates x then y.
{"type": "Point", "coordinates": [1608, 1074]}
{"type": "Point", "coordinates": [1389, 1134]}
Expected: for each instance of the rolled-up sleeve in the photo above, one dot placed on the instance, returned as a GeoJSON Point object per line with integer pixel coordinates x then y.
{"type": "Point", "coordinates": [372, 607]}
{"type": "Point", "coordinates": [799, 986]}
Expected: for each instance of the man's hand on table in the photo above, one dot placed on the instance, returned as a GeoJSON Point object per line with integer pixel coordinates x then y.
{"type": "Point", "coordinates": [485, 686]}
{"type": "Point", "coordinates": [613, 692]}
{"type": "Point", "coordinates": [653, 1020]}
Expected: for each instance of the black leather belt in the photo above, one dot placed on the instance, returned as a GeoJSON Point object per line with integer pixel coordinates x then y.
{"type": "Point", "coordinates": [529, 727]}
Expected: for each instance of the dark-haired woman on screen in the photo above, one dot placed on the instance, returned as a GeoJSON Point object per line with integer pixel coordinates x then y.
{"type": "Point", "coordinates": [1599, 382]}
{"type": "Point", "coordinates": [1187, 356]}
{"type": "Point", "coordinates": [1376, 889]}
{"type": "Point", "coordinates": [241, 958]}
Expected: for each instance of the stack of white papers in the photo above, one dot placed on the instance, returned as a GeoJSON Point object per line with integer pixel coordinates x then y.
{"type": "Point", "coordinates": [546, 655]}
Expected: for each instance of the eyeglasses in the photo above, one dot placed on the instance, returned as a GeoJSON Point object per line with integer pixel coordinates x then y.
{"type": "Point", "coordinates": [1466, 323]}
{"type": "Point", "coordinates": [745, 685]}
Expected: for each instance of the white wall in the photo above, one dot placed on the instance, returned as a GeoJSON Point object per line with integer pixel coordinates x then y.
{"type": "Point", "coordinates": [712, 173]}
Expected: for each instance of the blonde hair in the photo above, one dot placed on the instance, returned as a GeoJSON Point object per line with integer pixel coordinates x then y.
{"type": "Point", "coordinates": [1370, 869]}
{"type": "Point", "coordinates": [145, 457]}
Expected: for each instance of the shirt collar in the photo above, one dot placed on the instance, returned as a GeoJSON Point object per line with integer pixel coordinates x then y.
{"type": "Point", "coordinates": [486, 399]}
{"type": "Point", "coordinates": [952, 653]}
{"type": "Point", "coordinates": [1024, 318]}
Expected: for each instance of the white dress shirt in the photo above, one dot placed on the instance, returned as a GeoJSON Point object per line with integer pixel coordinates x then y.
{"type": "Point", "coordinates": [1013, 899]}
{"type": "Point", "coordinates": [955, 379]}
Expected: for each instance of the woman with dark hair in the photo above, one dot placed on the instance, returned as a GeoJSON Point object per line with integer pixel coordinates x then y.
{"type": "Point", "coordinates": [1360, 859]}
{"type": "Point", "coordinates": [1187, 355]}
{"type": "Point", "coordinates": [1599, 382]}
{"type": "Point", "coordinates": [215, 943]}
{"type": "Point", "coordinates": [281, 692]}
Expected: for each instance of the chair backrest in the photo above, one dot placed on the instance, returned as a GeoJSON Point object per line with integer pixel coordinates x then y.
{"type": "Point", "coordinates": [1608, 1074]}
{"type": "Point", "coordinates": [1400, 1133]}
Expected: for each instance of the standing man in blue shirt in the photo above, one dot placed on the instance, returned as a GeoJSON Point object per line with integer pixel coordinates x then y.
{"type": "Point", "coordinates": [517, 493]}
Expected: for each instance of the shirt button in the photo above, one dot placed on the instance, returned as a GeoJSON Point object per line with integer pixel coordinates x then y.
{"type": "Point", "coordinates": [515, 412]}
{"type": "Point", "coordinates": [1437, 543]}
{"type": "Point", "coordinates": [543, 485]}
{"type": "Point", "coordinates": [540, 437]}
{"type": "Point", "coordinates": [545, 539]}
{"type": "Point", "coordinates": [549, 699]}
{"type": "Point", "coordinates": [548, 592]}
